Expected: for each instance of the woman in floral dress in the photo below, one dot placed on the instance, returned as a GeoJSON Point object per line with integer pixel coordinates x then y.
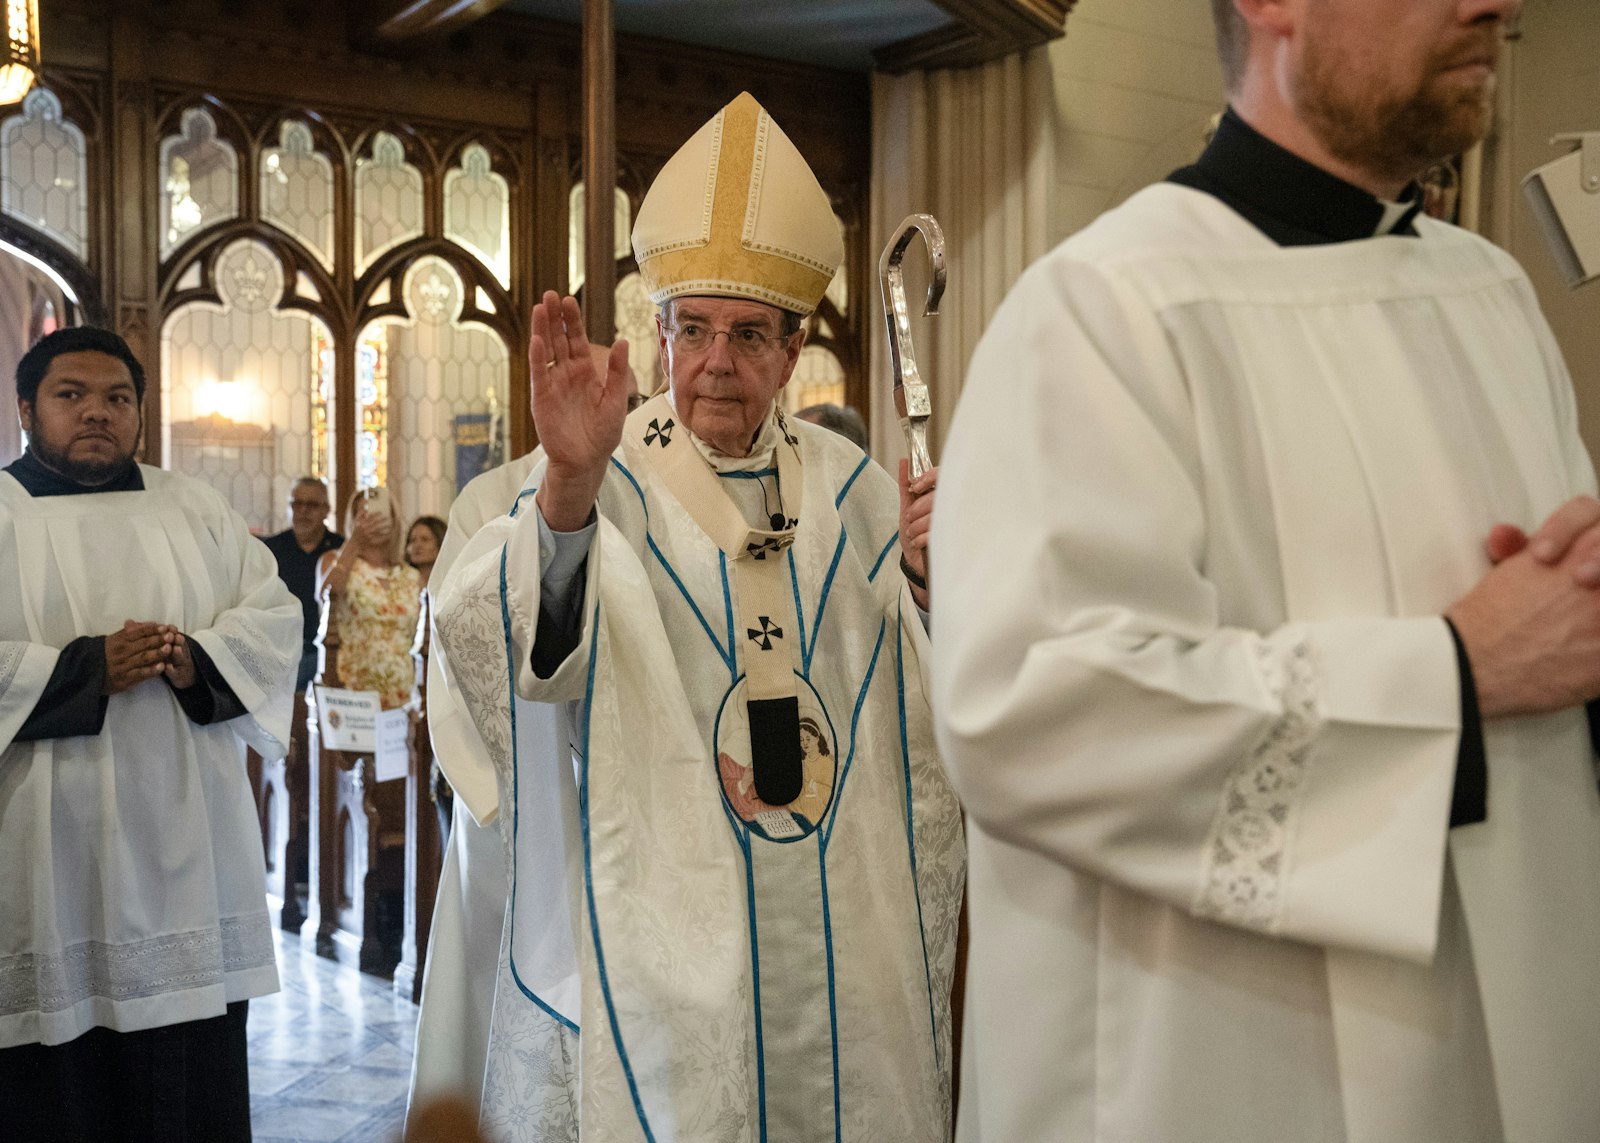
{"type": "Point", "coordinates": [376, 600]}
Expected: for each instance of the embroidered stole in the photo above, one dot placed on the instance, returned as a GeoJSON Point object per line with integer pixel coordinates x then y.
{"type": "Point", "coordinates": [763, 601]}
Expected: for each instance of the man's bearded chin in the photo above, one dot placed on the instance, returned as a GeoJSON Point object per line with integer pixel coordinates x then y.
{"type": "Point", "coordinates": [1396, 138]}
{"type": "Point", "coordinates": [87, 472]}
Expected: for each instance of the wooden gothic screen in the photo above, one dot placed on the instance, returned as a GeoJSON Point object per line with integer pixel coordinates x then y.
{"type": "Point", "coordinates": [325, 255]}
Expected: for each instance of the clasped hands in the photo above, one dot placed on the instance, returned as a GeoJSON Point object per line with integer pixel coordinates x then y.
{"type": "Point", "coordinates": [1531, 625]}
{"type": "Point", "coordinates": [141, 651]}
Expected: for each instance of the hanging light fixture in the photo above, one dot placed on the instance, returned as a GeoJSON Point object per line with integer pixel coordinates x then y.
{"type": "Point", "coordinates": [19, 65]}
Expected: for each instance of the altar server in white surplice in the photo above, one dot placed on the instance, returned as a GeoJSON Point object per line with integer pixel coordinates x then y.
{"type": "Point", "coordinates": [1263, 847]}
{"type": "Point", "coordinates": [145, 640]}
{"type": "Point", "coordinates": [739, 870]}
{"type": "Point", "coordinates": [469, 913]}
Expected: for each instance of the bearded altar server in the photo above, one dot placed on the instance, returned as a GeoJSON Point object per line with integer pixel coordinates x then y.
{"type": "Point", "coordinates": [474, 884]}
{"type": "Point", "coordinates": [146, 640]}
{"type": "Point", "coordinates": [1284, 821]}
{"type": "Point", "coordinates": [755, 942]}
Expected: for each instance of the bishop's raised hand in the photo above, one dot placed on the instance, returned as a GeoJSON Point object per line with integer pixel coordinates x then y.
{"type": "Point", "coordinates": [578, 409]}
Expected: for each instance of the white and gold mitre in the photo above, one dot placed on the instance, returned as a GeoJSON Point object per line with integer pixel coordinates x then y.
{"type": "Point", "coordinates": [738, 213]}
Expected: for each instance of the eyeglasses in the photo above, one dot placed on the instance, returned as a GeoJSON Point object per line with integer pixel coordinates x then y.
{"type": "Point", "coordinates": [323, 504]}
{"type": "Point", "coordinates": [745, 342]}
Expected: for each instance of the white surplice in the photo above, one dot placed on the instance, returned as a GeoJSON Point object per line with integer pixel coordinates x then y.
{"type": "Point", "coordinates": [135, 894]}
{"type": "Point", "coordinates": [728, 985]}
{"type": "Point", "coordinates": [469, 913]}
{"type": "Point", "coordinates": [1202, 506]}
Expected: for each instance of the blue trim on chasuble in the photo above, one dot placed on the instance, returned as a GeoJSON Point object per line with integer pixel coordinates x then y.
{"type": "Point", "coordinates": [822, 600]}
{"type": "Point", "coordinates": [799, 615]}
{"type": "Point", "coordinates": [911, 827]}
{"type": "Point", "coordinates": [726, 655]}
{"type": "Point", "coordinates": [588, 889]}
{"type": "Point", "coordinates": [833, 995]}
{"type": "Point", "coordinates": [855, 721]}
{"type": "Point", "coordinates": [845, 491]}
{"type": "Point", "coordinates": [516, 804]}
{"type": "Point", "coordinates": [878, 563]}
{"type": "Point", "coordinates": [727, 612]}
{"type": "Point", "coordinates": [755, 981]}
{"type": "Point", "coordinates": [521, 496]}
{"type": "Point", "coordinates": [622, 468]}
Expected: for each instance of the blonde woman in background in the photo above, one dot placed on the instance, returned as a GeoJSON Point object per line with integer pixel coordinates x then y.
{"type": "Point", "coordinates": [376, 599]}
{"type": "Point", "coordinates": [422, 544]}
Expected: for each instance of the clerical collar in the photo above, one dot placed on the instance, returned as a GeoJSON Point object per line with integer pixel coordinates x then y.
{"type": "Point", "coordinates": [1291, 201]}
{"type": "Point", "coordinates": [37, 480]}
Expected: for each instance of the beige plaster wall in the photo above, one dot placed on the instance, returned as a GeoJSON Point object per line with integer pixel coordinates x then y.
{"type": "Point", "coordinates": [1136, 82]}
{"type": "Point", "coordinates": [1551, 85]}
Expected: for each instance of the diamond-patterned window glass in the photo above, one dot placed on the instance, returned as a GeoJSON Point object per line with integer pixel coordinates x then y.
{"type": "Point", "coordinates": [388, 200]}
{"type": "Point", "coordinates": [636, 321]}
{"type": "Point", "coordinates": [297, 190]}
{"type": "Point", "coordinates": [448, 388]}
{"type": "Point", "coordinates": [372, 406]}
{"type": "Point", "coordinates": [44, 171]}
{"type": "Point", "coordinates": [621, 232]}
{"type": "Point", "coordinates": [320, 368]}
{"type": "Point", "coordinates": [238, 381]}
{"type": "Point", "coordinates": [199, 180]}
{"type": "Point", "coordinates": [818, 379]}
{"type": "Point", "coordinates": [477, 211]}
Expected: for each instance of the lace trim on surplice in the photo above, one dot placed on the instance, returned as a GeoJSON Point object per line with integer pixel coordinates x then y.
{"type": "Point", "coordinates": [174, 962]}
{"type": "Point", "coordinates": [1247, 851]}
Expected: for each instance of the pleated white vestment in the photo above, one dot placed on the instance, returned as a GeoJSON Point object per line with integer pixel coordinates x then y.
{"type": "Point", "coordinates": [1202, 506]}
{"type": "Point", "coordinates": [705, 981]}
{"type": "Point", "coordinates": [135, 889]}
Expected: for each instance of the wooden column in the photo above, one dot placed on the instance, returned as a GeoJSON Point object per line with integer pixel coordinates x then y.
{"type": "Point", "coordinates": [599, 169]}
{"type": "Point", "coordinates": [127, 213]}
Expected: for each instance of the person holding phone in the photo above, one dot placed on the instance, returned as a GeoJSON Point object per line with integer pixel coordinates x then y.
{"type": "Point", "coordinates": [376, 599]}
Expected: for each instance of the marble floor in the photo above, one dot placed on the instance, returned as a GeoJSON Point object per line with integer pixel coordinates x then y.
{"type": "Point", "coordinates": [330, 1054]}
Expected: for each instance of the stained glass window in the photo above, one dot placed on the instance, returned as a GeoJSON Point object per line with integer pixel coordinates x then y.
{"type": "Point", "coordinates": [44, 172]}
{"type": "Point", "coordinates": [448, 385]}
{"type": "Point", "coordinates": [818, 379]}
{"type": "Point", "coordinates": [477, 211]}
{"type": "Point", "coordinates": [322, 400]}
{"type": "Point", "coordinates": [372, 406]}
{"type": "Point", "coordinates": [199, 180]}
{"type": "Point", "coordinates": [297, 190]}
{"type": "Point", "coordinates": [621, 232]}
{"type": "Point", "coordinates": [239, 403]}
{"type": "Point", "coordinates": [388, 200]}
{"type": "Point", "coordinates": [636, 321]}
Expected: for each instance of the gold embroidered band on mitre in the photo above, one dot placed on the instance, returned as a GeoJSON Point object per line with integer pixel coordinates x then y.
{"type": "Point", "coordinates": [737, 212]}
{"type": "Point", "coordinates": [766, 634]}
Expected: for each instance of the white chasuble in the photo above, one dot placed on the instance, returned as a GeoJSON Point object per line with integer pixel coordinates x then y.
{"type": "Point", "coordinates": [715, 967]}
{"type": "Point", "coordinates": [138, 887]}
{"type": "Point", "coordinates": [1196, 694]}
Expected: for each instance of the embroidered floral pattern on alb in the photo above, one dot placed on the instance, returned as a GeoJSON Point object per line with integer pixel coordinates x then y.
{"type": "Point", "coordinates": [1247, 850]}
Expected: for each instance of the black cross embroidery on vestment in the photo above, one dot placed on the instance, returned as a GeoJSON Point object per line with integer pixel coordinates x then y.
{"type": "Point", "coordinates": [762, 637]}
{"type": "Point", "coordinates": [759, 551]}
{"type": "Point", "coordinates": [658, 431]}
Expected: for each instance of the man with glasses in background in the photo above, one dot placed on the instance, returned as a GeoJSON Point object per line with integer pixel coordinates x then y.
{"type": "Point", "coordinates": [297, 549]}
{"type": "Point", "coordinates": [737, 865]}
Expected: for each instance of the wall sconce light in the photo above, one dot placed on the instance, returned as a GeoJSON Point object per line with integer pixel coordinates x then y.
{"type": "Point", "coordinates": [19, 65]}
{"type": "Point", "coordinates": [1565, 197]}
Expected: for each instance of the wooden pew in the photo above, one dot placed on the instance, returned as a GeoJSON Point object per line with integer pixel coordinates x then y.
{"type": "Point", "coordinates": [358, 830]}
{"type": "Point", "coordinates": [283, 798]}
